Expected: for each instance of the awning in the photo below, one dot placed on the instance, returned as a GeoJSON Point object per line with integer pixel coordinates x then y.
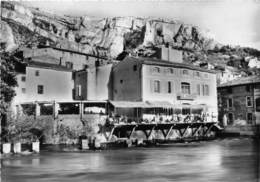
{"type": "Point", "coordinates": [159, 104]}
{"type": "Point", "coordinates": [128, 104]}
{"type": "Point", "coordinates": [147, 104]}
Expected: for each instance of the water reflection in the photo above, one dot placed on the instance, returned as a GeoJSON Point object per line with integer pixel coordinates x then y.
{"type": "Point", "coordinates": [221, 160]}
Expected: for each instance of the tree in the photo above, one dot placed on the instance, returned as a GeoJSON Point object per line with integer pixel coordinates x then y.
{"type": "Point", "coordinates": [7, 84]}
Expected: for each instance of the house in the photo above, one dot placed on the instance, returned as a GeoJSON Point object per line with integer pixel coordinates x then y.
{"type": "Point", "coordinates": [72, 59]}
{"type": "Point", "coordinates": [40, 82]}
{"type": "Point", "coordinates": [145, 87]}
{"type": "Point", "coordinates": [92, 85]}
{"type": "Point", "coordinates": [240, 100]}
{"type": "Point", "coordinates": [44, 82]}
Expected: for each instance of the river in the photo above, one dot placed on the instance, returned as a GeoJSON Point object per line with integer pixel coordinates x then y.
{"type": "Point", "coordinates": [227, 160]}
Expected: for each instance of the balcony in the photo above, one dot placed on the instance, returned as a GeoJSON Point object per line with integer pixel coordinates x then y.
{"type": "Point", "coordinates": [181, 96]}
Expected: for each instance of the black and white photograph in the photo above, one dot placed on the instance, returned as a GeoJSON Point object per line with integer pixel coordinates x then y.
{"type": "Point", "coordinates": [130, 91]}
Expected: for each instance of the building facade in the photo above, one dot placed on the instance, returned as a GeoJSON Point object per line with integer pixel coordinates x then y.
{"type": "Point", "coordinates": [166, 85]}
{"type": "Point", "coordinates": [93, 83]}
{"type": "Point", "coordinates": [44, 82]}
{"type": "Point", "coordinates": [239, 100]}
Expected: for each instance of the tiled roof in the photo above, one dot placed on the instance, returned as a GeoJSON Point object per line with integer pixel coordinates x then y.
{"type": "Point", "coordinates": [47, 66]}
{"type": "Point", "coordinates": [159, 62]}
{"type": "Point", "coordinates": [242, 81]}
{"type": "Point", "coordinates": [72, 51]}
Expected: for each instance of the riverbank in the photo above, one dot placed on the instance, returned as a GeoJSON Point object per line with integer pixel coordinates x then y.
{"type": "Point", "coordinates": [61, 148]}
{"type": "Point", "coordinates": [229, 159]}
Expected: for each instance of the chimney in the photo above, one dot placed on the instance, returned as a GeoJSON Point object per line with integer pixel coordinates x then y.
{"type": "Point", "coordinates": [170, 54]}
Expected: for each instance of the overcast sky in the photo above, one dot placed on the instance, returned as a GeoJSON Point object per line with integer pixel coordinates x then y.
{"type": "Point", "coordinates": [235, 22]}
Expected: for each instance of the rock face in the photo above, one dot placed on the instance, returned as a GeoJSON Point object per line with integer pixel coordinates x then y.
{"type": "Point", "coordinates": [114, 37]}
{"type": "Point", "coordinates": [106, 36]}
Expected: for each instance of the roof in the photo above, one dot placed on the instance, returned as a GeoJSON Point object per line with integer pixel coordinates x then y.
{"type": "Point", "coordinates": [241, 81]}
{"type": "Point", "coordinates": [159, 62]}
{"type": "Point", "coordinates": [47, 66]}
{"type": "Point", "coordinates": [72, 51]}
{"type": "Point", "coordinates": [139, 104]}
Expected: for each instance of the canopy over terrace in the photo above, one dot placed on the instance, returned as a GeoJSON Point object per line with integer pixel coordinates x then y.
{"type": "Point", "coordinates": [149, 109]}
{"type": "Point", "coordinates": [138, 109]}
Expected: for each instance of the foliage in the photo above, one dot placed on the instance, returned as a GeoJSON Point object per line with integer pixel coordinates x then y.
{"type": "Point", "coordinates": [28, 129]}
{"type": "Point", "coordinates": [8, 81]}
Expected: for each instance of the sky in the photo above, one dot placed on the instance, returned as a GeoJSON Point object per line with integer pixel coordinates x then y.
{"type": "Point", "coordinates": [234, 22]}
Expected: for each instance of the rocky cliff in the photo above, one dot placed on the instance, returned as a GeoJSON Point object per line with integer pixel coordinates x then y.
{"type": "Point", "coordinates": [110, 37]}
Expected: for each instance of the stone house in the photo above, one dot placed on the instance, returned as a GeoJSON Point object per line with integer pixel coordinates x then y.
{"type": "Point", "coordinates": [144, 87]}
{"type": "Point", "coordinates": [239, 100]}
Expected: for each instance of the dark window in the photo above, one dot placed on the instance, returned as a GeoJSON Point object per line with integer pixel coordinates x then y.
{"type": "Point", "coordinates": [37, 73]}
{"type": "Point", "coordinates": [230, 118]}
{"type": "Point", "coordinates": [248, 88]}
{"type": "Point", "coordinates": [169, 87]}
{"type": "Point", "coordinates": [205, 90]}
{"type": "Point", "coordinates": [135, 67]}
{"type": "Point", "coordinates": [257, 104]}
{"type": "Point", "coordinates": [69, 65]}
{"type": "Point", "coordinates": [86, 57]}
{"type": "Point", "coordinates": [185, 88]}
{"type": "Point", "coordinates": [198, 74]}
{"type": "Point", "coordinates": [156, 69]}
{"type": "Point", "coordinates": [121, 81]}
{"type": "Point", "coordinates": [186, 110]}
{"type": "Point", "coordinates": [169, 71]}
{"type": "Point", "coordinates": [230, 102]}
{"type": "Point", "coordinates": [249, 118]}
{"type": "Point", "coordinates": [23, 90]}
{"type": "Point", "coordinates": [23, 78]}
{"type": "Point", "coordinates": [157, 86]}
{"type": "Point", "coordinates": [230, 90]}
{"type": "Point", "coordinates": [249, 101]}
{"type": "Point", "coordinates": [198, 89]}
{"type": "Point", "coordinates": [40, 89]}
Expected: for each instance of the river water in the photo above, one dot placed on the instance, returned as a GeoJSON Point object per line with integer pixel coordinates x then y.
{"type": "Point", "coordinates": [227, 160]}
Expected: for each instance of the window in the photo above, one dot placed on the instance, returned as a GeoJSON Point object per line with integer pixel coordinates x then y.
{"type": "Point", "coordinates": [79, 90]}
{"type": "Point", "coordinates": [230, 118]}
{"type": "Point", "coordinates": [37, 73]}
{"type": "Point", "coordinates": [185, 88]}
{"type": "Point", "coordinates": [135, 67]}
{"type": "Point", "coordinates": [169, 87]}
{"type": "Point", "coordinates": [23, 90]}
{"type": "Point", "coordinates": [198, 89]}
{"type": "Point", "coordinates": [23, 78]}
{"type": "Point", "coordinates": [157, 86]}
{"type": "Point", "coordinates": [257, 104]}
{"type": "Point", "coordinates": [40, 89]}
{"type": "Point", "coordinates": [230, 102]}
{"type": "Point", "coordinates": [249, 101]}
{"type": "Point", "coordinates": [249, 118]}
{"type": "Point", "coordinates": [248, 88]}
{"type": "Point", "coordinates": [169, 71]}
{"type": "Point", "coordinates": [197, 74]}
{"type": "Point", "coordinates": [69, 65]}
{"type": "Point", "coordinates": [185, 72]}
{"type": "Point", "coordinates": [156, 70]}
{"type": "Point", "coordinates": [230, 90]}
{"type": "Point", "coordinates": [186, 110]}
{"type": "Point", "coordinates": [205, 90]}
{"type": "Point", "coordinates": [121, 81]}
{"type": "Point", "coordinates": [86, 57]}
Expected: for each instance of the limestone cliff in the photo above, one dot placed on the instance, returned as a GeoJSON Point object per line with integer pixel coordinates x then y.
{"type": "Point", "coordinates": [110, 37]}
